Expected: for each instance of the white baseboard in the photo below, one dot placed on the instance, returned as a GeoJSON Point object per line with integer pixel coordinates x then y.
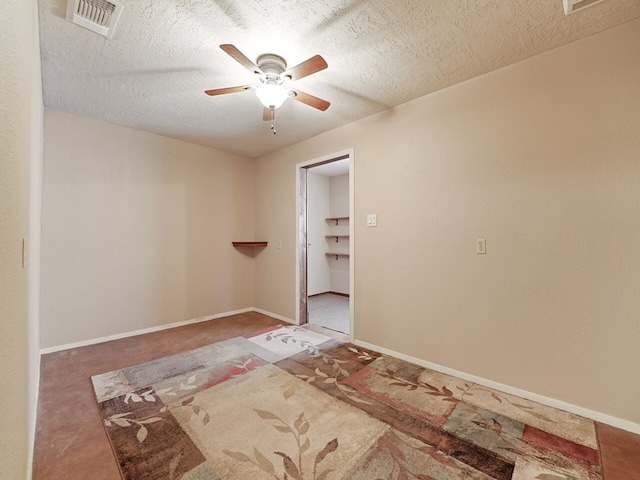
{"type": "Point", "coordinates": [550, 402]}
{"type": "Point", "coordinates": [133, 333]}
{"type": "Point", "coordinates": [275, 315]}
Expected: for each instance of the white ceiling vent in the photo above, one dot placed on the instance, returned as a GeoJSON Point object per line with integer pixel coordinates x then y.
{"type": "Point", "coordinates": [100, 16]}
{"type": "Point", "coordinates": [572, 6]}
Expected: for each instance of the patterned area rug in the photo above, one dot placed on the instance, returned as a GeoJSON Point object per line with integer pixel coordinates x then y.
{"type": "Point", "coordinates": [289, 403]}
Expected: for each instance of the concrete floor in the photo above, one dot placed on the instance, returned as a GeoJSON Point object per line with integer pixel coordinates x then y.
{"type": "Point", "coordinates": [71, 442]}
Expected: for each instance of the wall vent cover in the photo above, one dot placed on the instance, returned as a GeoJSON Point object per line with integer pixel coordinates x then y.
{"type": "Point", "coordinates": [572, 6]}
{"type": "Point", "coordinates": [100, 16]}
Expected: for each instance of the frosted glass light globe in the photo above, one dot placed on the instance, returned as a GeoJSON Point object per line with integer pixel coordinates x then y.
{"type": "Point", "coordinates": [271, 96]}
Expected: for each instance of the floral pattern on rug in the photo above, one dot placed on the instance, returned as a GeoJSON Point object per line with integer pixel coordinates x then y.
{"type": "Point", "coordinates": [291, 404]}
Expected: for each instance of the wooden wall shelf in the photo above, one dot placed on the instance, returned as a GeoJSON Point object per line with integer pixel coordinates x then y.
{"type": "Point", "coordinates": [336, 236]}
{"type": "Point", "coordinates": [249, 244]}
{"type": "Point", "coordinates": [337, 255]}
{"type": "Point", "coordinates": [336, 219]}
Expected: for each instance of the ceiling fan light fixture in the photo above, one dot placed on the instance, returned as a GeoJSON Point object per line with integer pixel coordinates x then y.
{"type": "Point", "coordinates": [271, 95]}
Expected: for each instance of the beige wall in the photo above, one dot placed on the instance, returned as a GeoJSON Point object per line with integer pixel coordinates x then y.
{"type": "Point", "coordinates": [543, 160]}
{"type": "Point", "coordinates": [137, 230]}
{"type": "Point", "coordinates": [20, 166]}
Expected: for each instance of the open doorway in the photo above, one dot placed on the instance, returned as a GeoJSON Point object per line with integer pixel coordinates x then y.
{"type": "Point", "coordinates": [326, 243]}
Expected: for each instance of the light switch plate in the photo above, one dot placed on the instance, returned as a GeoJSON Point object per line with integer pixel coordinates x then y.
{"type": "Point", "coordinates": [481, 246]}
{"type": "Point", "coordinates": [24, 253]}
{"type": "Point", "coordinates": [372, 220]}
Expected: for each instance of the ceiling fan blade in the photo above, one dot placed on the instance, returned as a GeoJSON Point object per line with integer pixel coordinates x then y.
{"type": "Point", "coordinates": [240, 57]}
{"type": "Point", "coordinates": [312, 65]}
{"type": "Point", "coordinates": [268, 114]}
{"type": "Point", "coordinates": [222, 91]}
{"type": "Point", "coordinates": [310, 100]}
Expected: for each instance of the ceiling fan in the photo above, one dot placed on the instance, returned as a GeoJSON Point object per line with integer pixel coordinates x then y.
{"type": "Point", "coordinates": [275, 79]}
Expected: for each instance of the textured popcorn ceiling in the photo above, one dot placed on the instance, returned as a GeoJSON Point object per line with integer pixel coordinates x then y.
{"type": "Point", "coordinates": [151, 75]}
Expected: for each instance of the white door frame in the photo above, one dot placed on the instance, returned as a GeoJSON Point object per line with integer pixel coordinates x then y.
{"type": "Point", "coordinates": [301, 243]}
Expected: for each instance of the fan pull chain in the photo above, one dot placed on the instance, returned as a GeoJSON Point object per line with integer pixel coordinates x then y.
{"type": "Point", "coordinates": [273, 120]}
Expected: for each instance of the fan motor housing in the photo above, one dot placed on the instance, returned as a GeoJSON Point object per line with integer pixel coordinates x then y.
{"type": "Point", "coordinates": [271, 64]}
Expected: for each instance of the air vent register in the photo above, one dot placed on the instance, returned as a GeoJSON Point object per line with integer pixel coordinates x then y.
{"type": "Point", "coordinates": [100, 16]}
